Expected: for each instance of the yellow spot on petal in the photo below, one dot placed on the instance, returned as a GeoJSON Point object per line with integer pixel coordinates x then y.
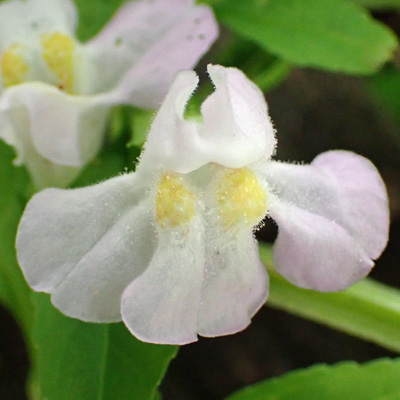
{"type": "Point", "coordinates": [241, 199]}
{"type": "Point", "coordinates": [175, 203]}
{"type": "Point", "coordinates": [58, 52]}
{"type": "Point", "coordinates": [13, 66]}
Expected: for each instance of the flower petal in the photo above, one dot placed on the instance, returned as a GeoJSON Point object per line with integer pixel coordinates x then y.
{"type": "Point", "coordinates": [24, 21]}
{"type": "Point", "coordinates": [14, 130]}
{"type": "Point", "coordinates": [71, 134]}
{"type": "Point", "coordinates": [314, 252]}
{"type": "Point", "coordinates": [322, 244]}
{"type": "Point", "coordinates": [161, 305]}
{"type": "Point", "coordinates": [172, 142]}
{"type": "Point", "coordinates": [237, 128]}
{"type": "Point", "coordinates": [85, 245]}
{"type": "Point", "coordinates": [150, 42]}
{"type": "Point", "coordinates": [244, 136]}
{"type": "Point", "coordinates": [235, 284]}
{"type": "Point", "coordinates": [366, 210]}
{"type": "Point", "coordinates": [92, 290]}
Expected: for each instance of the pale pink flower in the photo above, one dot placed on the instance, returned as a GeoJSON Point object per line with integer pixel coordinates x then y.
{"type": "Point", "coordinates": [170, 250]}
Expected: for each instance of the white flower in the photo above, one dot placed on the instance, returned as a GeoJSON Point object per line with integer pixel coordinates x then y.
{"type": "Point", "coordinates": [55, 93]}
{"type": "Point", "coordinates": [170, 248]}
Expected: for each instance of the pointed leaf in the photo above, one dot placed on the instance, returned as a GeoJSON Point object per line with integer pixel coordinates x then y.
{"type": "Point", "coordinates": [335, 35]}
{"type": "Point", "coordinates": [82, 361]}
{"type": "Point", "coordinates": [377, 380]}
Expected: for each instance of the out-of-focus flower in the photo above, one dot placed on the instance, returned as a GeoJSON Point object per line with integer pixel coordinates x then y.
{"type": "Point", "coordinates": [56, 92]}
{"type": "Point", "coordinates": [170, 248]}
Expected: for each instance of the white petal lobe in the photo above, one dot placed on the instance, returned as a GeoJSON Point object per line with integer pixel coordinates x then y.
{"type": "Point", "coordinates": [59, 227]}
{"type": "Point", "coordinates": [161, 305]}
{"type": "Point", "coordinates": [235, 284]}
{"type": "Point", "coordinates": [237, 130]}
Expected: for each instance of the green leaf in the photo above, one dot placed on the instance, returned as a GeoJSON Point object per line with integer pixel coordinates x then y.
{"type": "Point", "coordinates": [83, 361]}
{"type": "Point", "coordinates": [93, 15]}
{"type": "Point", "coordinates": [14, 292]}
{"type": "Point", "coordinates": [376, 4]}
{"type": "Point", "coordinates": [385, 90]}
{"type": "Point", "coordinates": [142, 364]}
{"type": "Point", "coordinates": [368, 310]}
{"type": "Point", "coordinates": [335, 35]}
{"type": "Point", "coordinates": [104, 166]}
{"type": "Point", "coordinates": [385, 87]}
{"type": "Point", "coordinates": [272, 76]}
{"type": "Point", "coordinates": [377, 380]}
{"type": "Point", "coordinates": [140, 122]}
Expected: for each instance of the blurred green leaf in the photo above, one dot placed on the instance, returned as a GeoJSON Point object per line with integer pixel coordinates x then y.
{"type": "Point", "coordinates": [93, 15]}
{"type": "Point", "coordinates": [377, 380]}
{"type": "Point", "coordinates": [14, 292]}
{"type": "Point", "coordinates": [140, 122]}
{"type": "Point", "coordinates": [368, 309]}
{"type": "Point", "coordinates": [385, 87]}
{"type": "Point", "coordinates": [272, 76]}
{"type": "Point", "coordinates": [335, 35]}
{"type": "Point", "coordinates": [376, 4]}
{"type": "Point", "coordinates": [104, 166]}
{"type": "Point", "coordinates": [83, 361]}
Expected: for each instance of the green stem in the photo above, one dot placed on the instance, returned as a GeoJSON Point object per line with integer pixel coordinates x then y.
{"type": "Point", "coordinates": [273, 75]}
{"type": "Point", "coordinates": [368, 310]}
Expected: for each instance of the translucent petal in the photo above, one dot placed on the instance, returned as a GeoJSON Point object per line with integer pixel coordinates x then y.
{"type": "Point", "coordinates": [161, 305]}
{"type": "Point", "coordinates": [235, 284]}
{"type": "Point", "coordinates": [332, 217]}
{"type": "Point", "coordinates": [14, 130]}
{"type": "Point", "coordinates": [86, 245]}
{"type": "Point", "coordinates": [71, 134]}
{"type": "Point", "coordinates": [146, 44]}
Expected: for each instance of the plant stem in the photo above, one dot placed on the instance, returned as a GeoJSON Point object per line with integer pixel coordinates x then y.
{"type": "Point", "coordinates": [368, 310]}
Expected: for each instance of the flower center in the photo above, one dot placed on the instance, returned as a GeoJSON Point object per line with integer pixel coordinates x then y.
{"type": "Point", "coordinates": [13, 66]}
{"type": "Point", "coordinates": [241, 199]}
{"type": "Point", "coordinates": [58, 52]}
{"type": "Point", "coordinates": [175, 203]}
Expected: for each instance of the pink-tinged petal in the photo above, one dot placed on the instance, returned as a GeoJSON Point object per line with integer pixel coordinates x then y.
{"type": "Point", "coordinates": [237, 128]}
{"type": "Point", "coordinates": [327, 233]}
{"type": "Point", "coordinates": [365, 208]}
{"type": "Point", "coordinates": [25, 21]}
{"type": "Point", "coordinates": [235, 284]}
{"type": "Point", "coordinates": [71, 133]}
{"type": "Point", "coordinates": [146, 44]}
{"type": "Point", "coordinates": [315, 252]}
{"type": "Point", "coordinates": [161, 305]}
{"type": "Point", "coordinates": [85, 245]}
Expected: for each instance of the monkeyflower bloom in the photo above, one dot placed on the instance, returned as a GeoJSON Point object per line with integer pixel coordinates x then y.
{"type": "Point", "coordinates": [55, 93]}
{"type": "Point", "coordinates": [169, 249]}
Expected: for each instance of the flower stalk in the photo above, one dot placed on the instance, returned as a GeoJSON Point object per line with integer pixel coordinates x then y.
{"type": "Point", "coordinates": [369, 310]}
